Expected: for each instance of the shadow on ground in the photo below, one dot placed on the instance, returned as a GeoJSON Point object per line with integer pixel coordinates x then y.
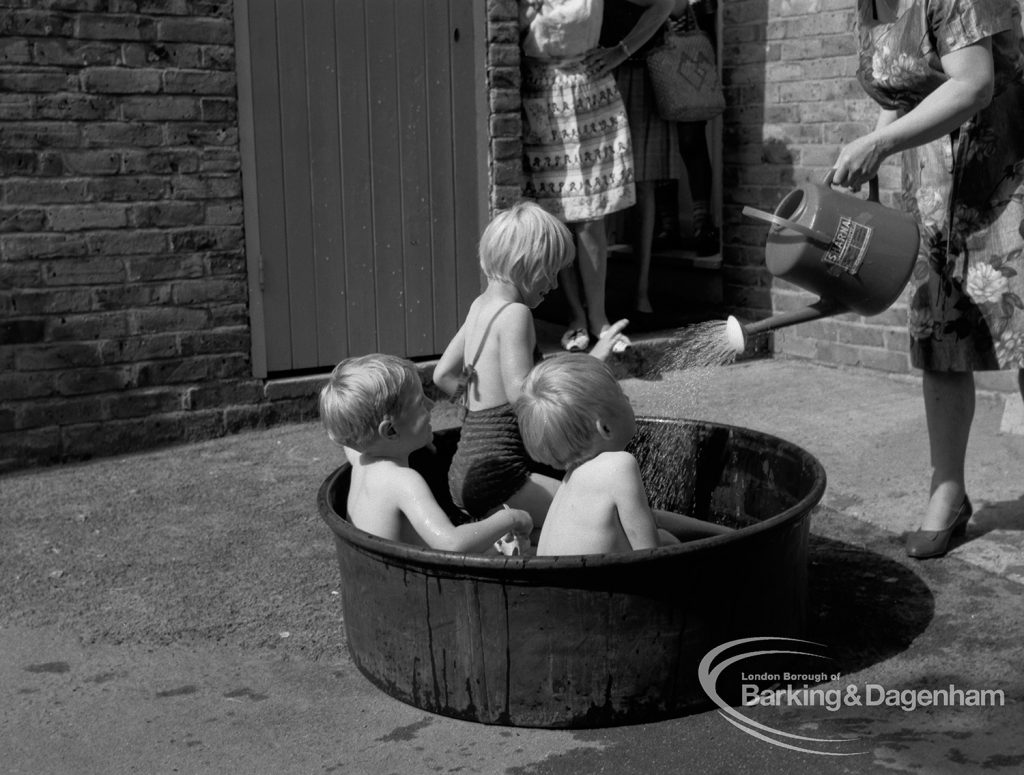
{"type": "Point", "coordinates": [864, 607]}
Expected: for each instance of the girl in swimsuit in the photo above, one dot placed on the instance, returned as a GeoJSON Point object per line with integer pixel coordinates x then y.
{"type": "Point", "coordinates": [521, 252]}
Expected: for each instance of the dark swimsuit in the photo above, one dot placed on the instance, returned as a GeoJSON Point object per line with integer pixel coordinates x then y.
{"type": "Point", "coordinates": [490, 463]}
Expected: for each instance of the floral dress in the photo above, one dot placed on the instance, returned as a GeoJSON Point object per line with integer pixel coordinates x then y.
{"type": "Point", "coordinates": [967, 189]}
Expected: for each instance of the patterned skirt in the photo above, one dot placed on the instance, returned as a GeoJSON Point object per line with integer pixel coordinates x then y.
{"type": "Point", "coordinates": [577, 155]}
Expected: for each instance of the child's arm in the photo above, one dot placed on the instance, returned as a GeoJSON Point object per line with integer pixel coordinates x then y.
{"type": "Point", "coordinates": [630, 500]}
{"type": "Point", "coordinates": [605, 343]}
{"type": "Point", "coordinates": [448, 371]}
{"type": "Point", "coordinates": [437, 531]}
{"type": "Point", "coordinates": [687, 528]}
{"type": "Point", "coordinates": [517, 339]}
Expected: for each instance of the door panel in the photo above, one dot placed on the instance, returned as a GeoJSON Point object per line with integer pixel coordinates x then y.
{"type": "Point", "coordinates": [368, 162]}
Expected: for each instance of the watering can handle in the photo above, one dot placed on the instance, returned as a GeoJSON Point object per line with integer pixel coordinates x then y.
{"type": "Point", "coordinates": [785, 223]}
{"type": "Point", "coordinates": [872, 185]}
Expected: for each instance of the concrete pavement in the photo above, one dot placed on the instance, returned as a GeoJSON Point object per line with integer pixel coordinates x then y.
{"type": "Point", "coordinates": [176, 611]}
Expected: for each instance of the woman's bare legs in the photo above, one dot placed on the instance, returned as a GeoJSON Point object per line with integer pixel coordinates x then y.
{"type": "Point", "coordinates": [588, 274]}
{"type": "Point", "coordinates": [569, 282]}
{"type": "Point", "coordinates": [643, 242]}
{"type": "Point", "coordinates": [949, 410]}
{"type": "Point", "coordinates": [592, 262]}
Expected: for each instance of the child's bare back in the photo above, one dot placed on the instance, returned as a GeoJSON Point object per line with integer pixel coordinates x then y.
{"type": "Point", "coordinates": [597, 510]}
{"type": "Point", "coordinates": [377, 496]}
{"type": "Point", "coordinates": [498, 344]}
{"type": "Point", "coordinates": [574, 415]}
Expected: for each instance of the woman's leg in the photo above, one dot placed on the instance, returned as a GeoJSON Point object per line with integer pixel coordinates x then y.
{"type": "Point", "coordinates": [949, 409]}
{"type": "Point", "coordinates": [592, 261]}
{"type": "Point", "coordinates": [643, 241]}
{"type": "Point", "coordinates": [569, 282]}
{"type": "Point", "coordinates": [693, 147]}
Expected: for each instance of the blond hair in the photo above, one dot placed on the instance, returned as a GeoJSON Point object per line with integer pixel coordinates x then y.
{"type": "Point", "coordinates": [361, 393]}
{"type": "Point", "coordinates": [525, 246]}
{"type": "Point", "coordinates": [563, 397]}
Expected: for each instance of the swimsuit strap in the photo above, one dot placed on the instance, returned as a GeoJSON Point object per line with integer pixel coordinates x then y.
{"type": "Point", "coordinates": [487, 330]}
{"type": "Point", "coordinates": [469, 369]}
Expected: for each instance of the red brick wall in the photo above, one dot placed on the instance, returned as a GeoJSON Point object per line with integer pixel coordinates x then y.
{"type": "Point", "coordinates": [790, 77]}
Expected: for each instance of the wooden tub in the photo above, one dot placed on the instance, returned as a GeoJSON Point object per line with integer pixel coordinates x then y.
{"type": "Point", "coordinates": [586, 640]}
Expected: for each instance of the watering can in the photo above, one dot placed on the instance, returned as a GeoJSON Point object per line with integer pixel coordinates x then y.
{"type": "Point", "coordinates": [855, 253]}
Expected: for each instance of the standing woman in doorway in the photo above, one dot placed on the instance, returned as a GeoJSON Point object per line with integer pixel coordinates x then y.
{"type": "Point", "coordinates": [576, 145]}
{"type": "Point", "coordinates": [656, 156]}
{"type": "Point", "coordinates": [949, 75]}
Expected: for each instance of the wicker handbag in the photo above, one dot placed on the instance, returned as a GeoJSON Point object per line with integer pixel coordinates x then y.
{"type": "Point", "coordinates": [684, 74]}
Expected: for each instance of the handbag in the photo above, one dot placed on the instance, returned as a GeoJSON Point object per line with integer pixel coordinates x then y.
{"type": "Point", "coordinates": [683, 72]}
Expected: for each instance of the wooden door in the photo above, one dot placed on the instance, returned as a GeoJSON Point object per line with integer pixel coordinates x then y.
{"type": "Point", "coordinates": [363, 134]}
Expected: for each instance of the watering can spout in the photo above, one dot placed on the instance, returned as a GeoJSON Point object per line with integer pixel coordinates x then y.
{"type": "Point", "coordinates": [738, 334]}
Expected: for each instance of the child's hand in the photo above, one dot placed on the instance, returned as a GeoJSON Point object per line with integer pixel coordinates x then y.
{"type": "Point", "coordinates": [522, 522]}
{"type": "Point", "coordinates": [517, 540]}
{"type": "Point", "coordinates": [611, 340]}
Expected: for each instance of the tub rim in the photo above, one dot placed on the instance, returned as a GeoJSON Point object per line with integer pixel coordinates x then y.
{"type": "Point", "coordinates": [343, 529]}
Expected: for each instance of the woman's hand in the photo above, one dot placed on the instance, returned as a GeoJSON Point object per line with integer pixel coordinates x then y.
{"type": "Point", "coordinates": [601, 61]}
{"type": "Point", "coordinates": [858, 162]}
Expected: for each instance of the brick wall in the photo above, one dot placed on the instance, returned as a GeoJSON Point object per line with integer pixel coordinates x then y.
{"type": "Point", "coordinates": [506, 165]}
{"type": "Point", "coordinates": [123, 291]}
{"type": "Point", "coordinates": [790, 77]}
{"type": "Point", "coordinates": [123, 309]}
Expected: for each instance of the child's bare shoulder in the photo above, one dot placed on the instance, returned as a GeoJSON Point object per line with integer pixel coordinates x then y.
{"type": "Point", "coordinates": [515, 313]}
{"type": "Point", "coordinates": [391, 481]}
{"type": "Point", "coordinates": [398, 476]}
{"type": "Point", "coordinates": [609, 464]}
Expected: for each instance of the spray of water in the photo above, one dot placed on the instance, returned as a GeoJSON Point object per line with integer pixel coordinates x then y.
{"type": "Point", "coordinates": [692, 354]}
{"type": "Point", "coordinates": [704, 345]}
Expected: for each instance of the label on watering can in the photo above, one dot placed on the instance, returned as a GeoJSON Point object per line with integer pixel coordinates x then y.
{"type": "Point", "coordinates": [849, 245]}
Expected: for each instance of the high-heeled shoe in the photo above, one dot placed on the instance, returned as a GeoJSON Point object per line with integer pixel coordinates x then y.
{"type": "Point", "coordinates": [922, 544]}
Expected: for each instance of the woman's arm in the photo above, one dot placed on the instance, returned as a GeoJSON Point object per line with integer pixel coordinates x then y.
{"type": "Point", "coordinates": [968, 90]}
{"type": "Point", "coordinates": [436, 529]}
{"type": "Point", "coordinates": [604, 60]}
{"type": "Point", "coordinates": [448, 371]}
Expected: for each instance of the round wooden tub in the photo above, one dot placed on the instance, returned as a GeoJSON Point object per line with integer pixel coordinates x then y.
{"type": "Point", "coordinates": [586, 640]}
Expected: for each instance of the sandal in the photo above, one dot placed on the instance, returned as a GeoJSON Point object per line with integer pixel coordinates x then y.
{"type": "Point", "coordinates": [576, 340]}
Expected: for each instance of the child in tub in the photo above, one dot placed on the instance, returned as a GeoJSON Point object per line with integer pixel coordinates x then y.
{"type": "Point", "coordinates": [375, 408]}
{"type": "Point", "coordinates": [521, 252]}
{"type": "Point", "coordinates": [574, 416]}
